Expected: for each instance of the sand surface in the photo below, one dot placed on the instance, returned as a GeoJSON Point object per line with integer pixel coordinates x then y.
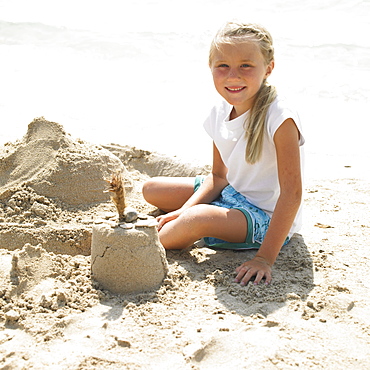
{"type": "Point", "coordinates": [315, 314]}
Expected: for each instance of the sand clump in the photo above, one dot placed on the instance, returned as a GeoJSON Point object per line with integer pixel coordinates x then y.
{"type": "Point", "coordinates": [315, 314]}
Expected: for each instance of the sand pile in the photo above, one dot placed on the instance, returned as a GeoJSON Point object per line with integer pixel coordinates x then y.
{"type": "Point", "coordinates": [52, 164]}
{"type": "Point", "coordinates": [42, 281]}
{"type": "Point", "coordinates": [155, 164]}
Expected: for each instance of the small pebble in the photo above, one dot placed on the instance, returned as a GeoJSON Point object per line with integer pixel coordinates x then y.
{"type": "Point", "coordinates": [147, 223]}
{"type": "Point", "coordinates": [224, 329]}
{"type": "Point", "coordinates": [126, 226]}
{"type": "Point", "coordinates": [109, 215]}
{"type": "Point", "coordinates": [99, 221]}
{"type": "Point", "coordinates": [123, 343]}
{"type": "Point", "coordinates": [130, 214]}
{"type": "Point", "coordinates": [12, 316]}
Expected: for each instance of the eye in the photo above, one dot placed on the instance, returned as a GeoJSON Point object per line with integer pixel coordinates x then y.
{"type": "Point", "coordinates": [245, 65]}
{"type": "Point", "coordinates": [222, 65]}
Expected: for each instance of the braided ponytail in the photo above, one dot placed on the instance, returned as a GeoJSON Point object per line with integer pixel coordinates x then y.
{"type": "Point", "coordinates": [255, 124]}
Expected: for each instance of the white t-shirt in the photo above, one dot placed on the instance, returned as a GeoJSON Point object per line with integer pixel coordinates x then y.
{"type": "Point", "coordinates": [258, 182]}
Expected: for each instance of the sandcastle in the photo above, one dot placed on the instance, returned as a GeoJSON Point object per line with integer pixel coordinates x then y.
{"type": "Point", "coordinates": [127, 256]}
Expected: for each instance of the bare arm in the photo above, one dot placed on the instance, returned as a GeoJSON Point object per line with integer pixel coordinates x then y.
{"type": "Point", "coordinates": [209, 190]}
{"type": "Point", "coordinates": [288, 159]}
{"type": "Point", "coordinates": [212, 185]}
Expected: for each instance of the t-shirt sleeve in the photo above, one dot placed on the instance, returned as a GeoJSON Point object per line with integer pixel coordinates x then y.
{"type": "Point", "coordinates": [217, 115]}
{"type": "Point", "coordinates": [278, 113]}
{"type": "Point", "coordinates": [211, 122]}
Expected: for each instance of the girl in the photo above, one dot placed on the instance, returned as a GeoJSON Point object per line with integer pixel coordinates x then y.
{"type": "Point", "coordinates": [252, 198]}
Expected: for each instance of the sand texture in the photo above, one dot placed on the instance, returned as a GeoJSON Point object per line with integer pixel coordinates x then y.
{"type": "Point", "coordinates": [53, 315]}
{"type": "Point", "coordinates": [121, 258]}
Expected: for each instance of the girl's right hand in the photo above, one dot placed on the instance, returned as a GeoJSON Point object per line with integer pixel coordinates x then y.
{"type": "Point", "coordinates": [258, 267]}
{"type": "Point", "coordinates": [163, 219]}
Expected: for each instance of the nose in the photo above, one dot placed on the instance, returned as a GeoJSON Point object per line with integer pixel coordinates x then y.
{"type": "Point", "coordinates": [233, 74]}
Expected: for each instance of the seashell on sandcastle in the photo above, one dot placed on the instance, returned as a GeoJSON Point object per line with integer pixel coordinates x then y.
{"type": "Point", "coordinates": [127, 257]}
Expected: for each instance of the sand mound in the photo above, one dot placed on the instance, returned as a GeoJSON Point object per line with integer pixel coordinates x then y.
{"type": "Point", "coordinates": [39, 282]}
{"type": "Point", "coordinates": [30, 266]}
{"type": "Point", "coordinates": [155, 164]}
{"type": "Point", "coordinates": [51, 163]}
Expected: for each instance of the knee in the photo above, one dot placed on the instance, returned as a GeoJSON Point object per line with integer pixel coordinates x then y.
{"type": "Point", "coordinates": [149, 191]}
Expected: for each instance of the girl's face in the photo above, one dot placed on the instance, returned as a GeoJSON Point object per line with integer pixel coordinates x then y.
{"type": "Point", "coordinates": [238, 72]}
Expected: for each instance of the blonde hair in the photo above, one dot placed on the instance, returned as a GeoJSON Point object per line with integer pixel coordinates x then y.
{"type": "Point", "coordinates": [233, 33]}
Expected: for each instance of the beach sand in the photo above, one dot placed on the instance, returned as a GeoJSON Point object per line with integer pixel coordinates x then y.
{"type": "Point", "coordinates": [315, 314]}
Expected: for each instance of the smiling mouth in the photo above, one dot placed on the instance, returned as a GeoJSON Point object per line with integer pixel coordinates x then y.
{"type": "Point", "coordinates": [235, 89]}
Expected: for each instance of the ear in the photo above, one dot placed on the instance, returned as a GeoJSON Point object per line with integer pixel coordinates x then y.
{"type": "Point", "coordinates": [269, 68]}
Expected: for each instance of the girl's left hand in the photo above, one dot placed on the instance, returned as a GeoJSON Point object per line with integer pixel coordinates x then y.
{"type": "Point", "coordinates": [162, 220]}
{"type": "Point", "coordinates": [257, 267]}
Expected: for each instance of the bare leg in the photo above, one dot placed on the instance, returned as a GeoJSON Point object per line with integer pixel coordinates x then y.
{"type": "Point", "coordinates": [204, 220]}
{"type": "Point", "coordinates": [168, 193]}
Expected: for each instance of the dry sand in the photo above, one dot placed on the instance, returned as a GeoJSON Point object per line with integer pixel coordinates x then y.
{"type": "Point", "coordinates": [315, 314]}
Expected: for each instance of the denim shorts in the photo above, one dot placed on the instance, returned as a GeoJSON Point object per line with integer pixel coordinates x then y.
{"type": "Point", "coordinates": [258, 221]}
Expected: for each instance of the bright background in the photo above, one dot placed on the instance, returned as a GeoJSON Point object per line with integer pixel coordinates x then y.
{"type": "Point", "coordinates": [135, 72]}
